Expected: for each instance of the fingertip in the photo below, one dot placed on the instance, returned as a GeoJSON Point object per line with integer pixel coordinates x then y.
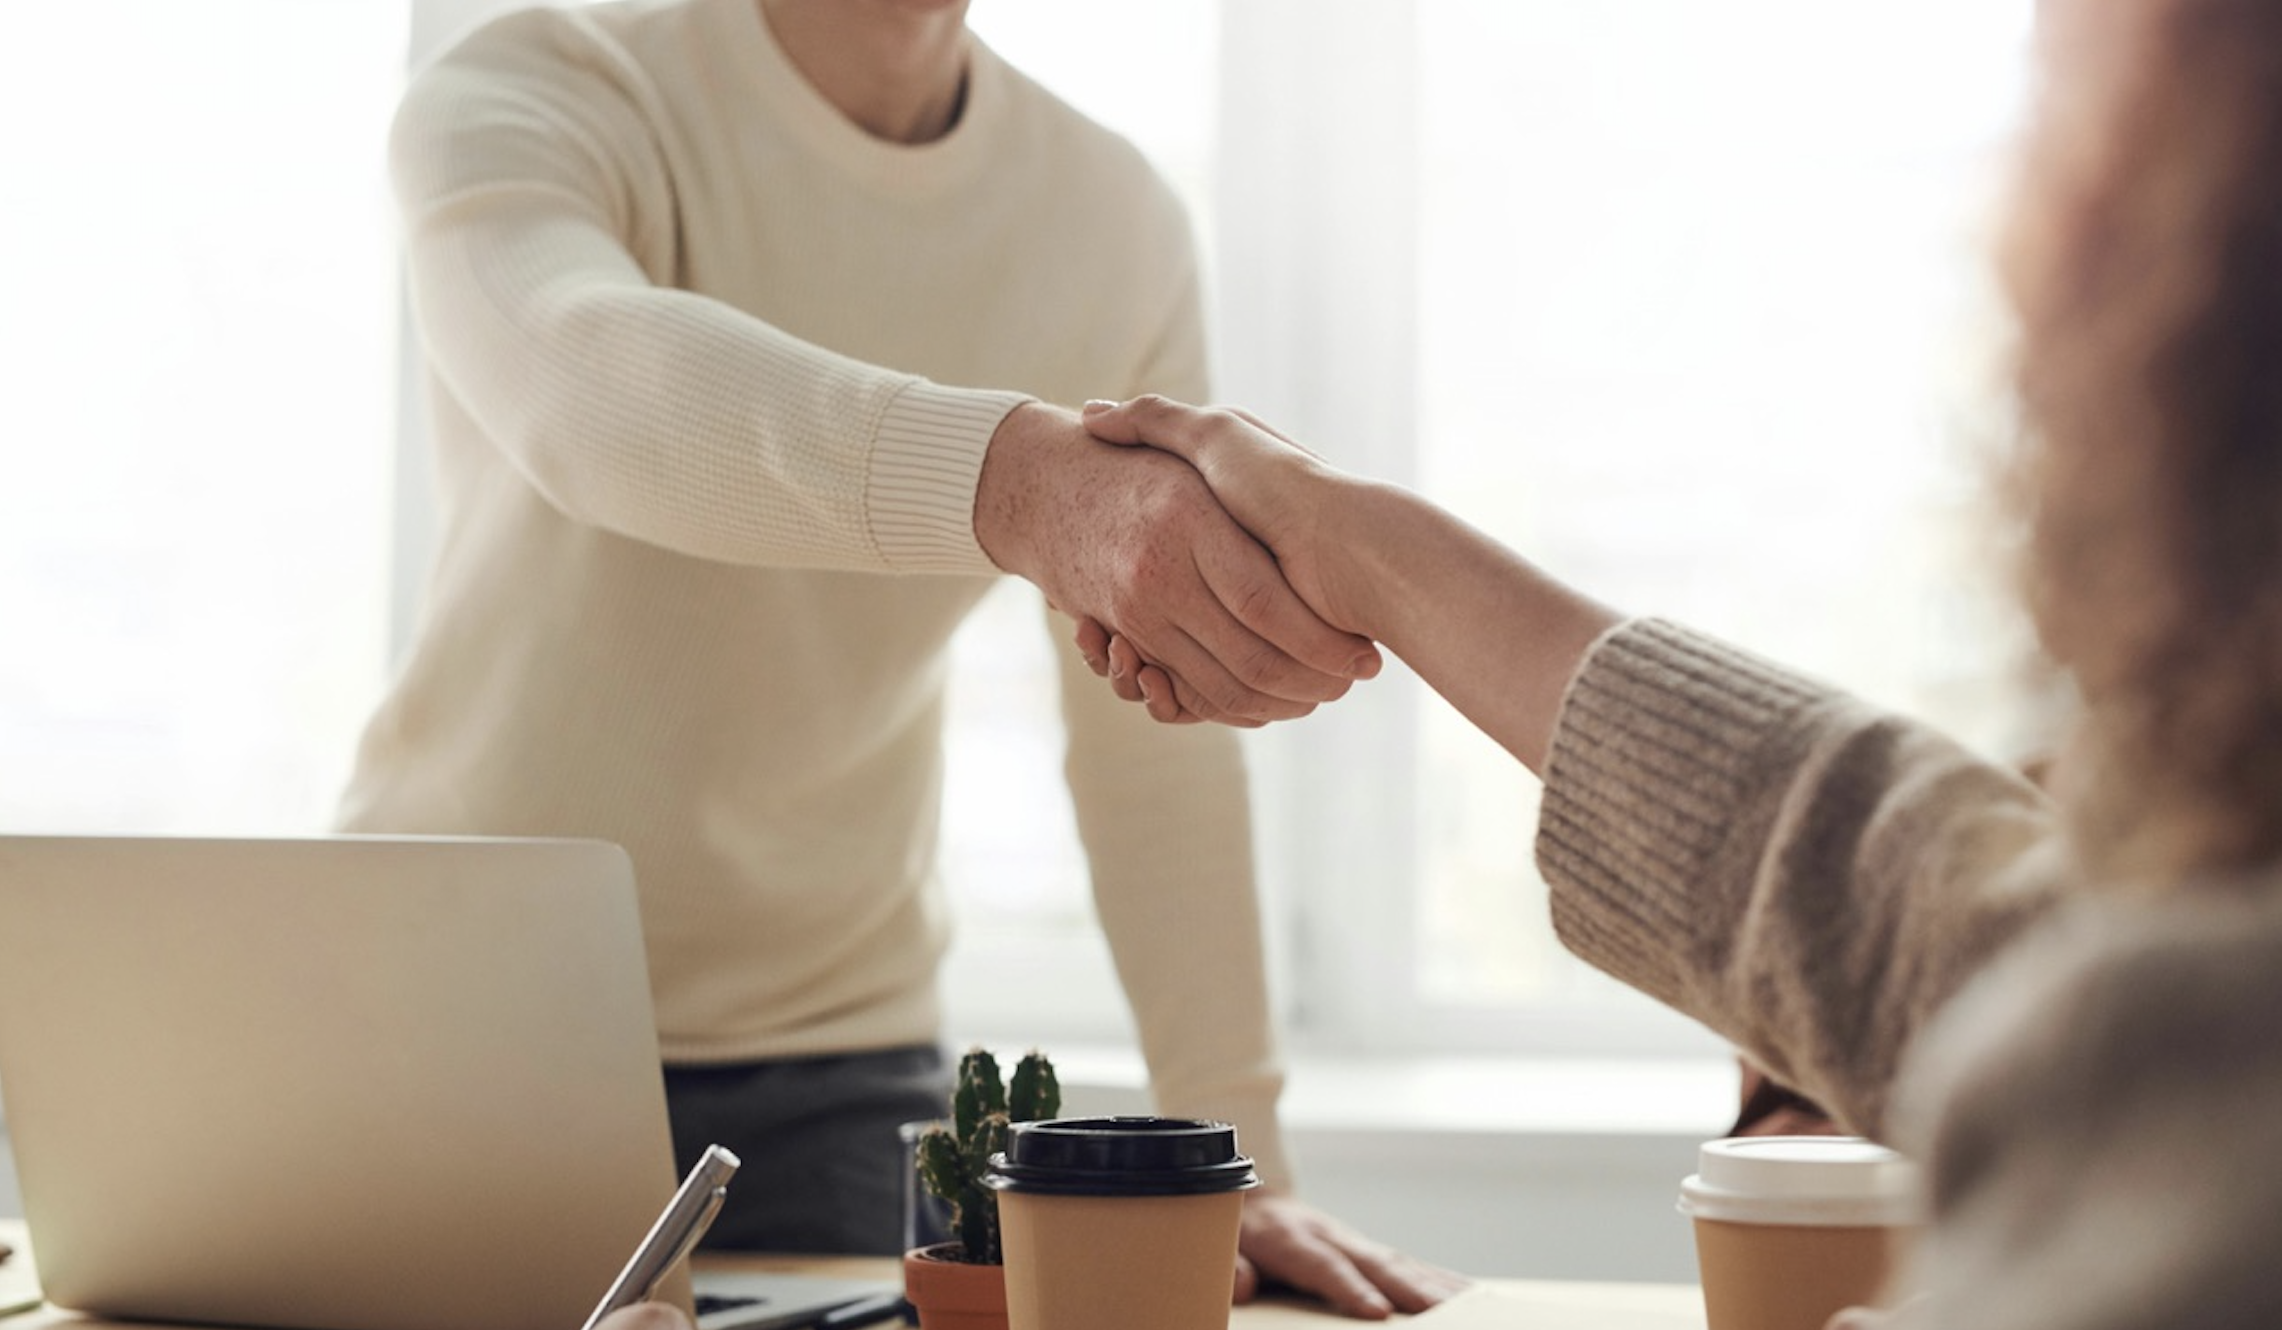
{"type": "Point", "coordinates": [1095, 406]}
{"type": "Point", "coordinates": [1092, 641]}
{"type": "Point", "coordinates": [1366, 664]}
{"type": "Point", "coordinates": [1364, 1301]}
{"type": "Point", "coordinates": [1157, 695]}
{"type": "Point", "coordinates": [1410, 1300]}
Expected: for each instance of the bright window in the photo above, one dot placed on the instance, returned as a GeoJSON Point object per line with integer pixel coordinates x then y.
{"type": "Point", "coordinates": [1703, 323]}
{"type": "Point", "coordinates": [1683, 301]}
{"type": "Point", "coordinates": [197, 407]}
{"type": "Point", "coordinates": [1686, 303]}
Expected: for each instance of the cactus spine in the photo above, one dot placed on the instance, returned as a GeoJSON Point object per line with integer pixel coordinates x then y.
{"type": "Point", "coordinates": [953, 1159]}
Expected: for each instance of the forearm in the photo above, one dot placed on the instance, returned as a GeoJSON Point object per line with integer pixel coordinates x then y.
{"type": "Point", "coordinates": [1801, 872]}
{"type": "Point", "coordinates": [679, 421]}
{"type": "Point", "coordinates": [1496, 636]}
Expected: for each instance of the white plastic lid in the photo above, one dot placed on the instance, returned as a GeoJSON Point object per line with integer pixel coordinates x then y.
{"type": "Point", "coordinates": [1839, 1181]}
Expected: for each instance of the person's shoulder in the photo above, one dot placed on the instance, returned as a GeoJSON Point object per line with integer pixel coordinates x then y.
{"type": "Point", "coordinates": [538, 79]}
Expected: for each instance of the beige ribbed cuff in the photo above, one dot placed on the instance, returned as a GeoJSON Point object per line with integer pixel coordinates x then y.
{"type": "Point", "coordinates": [925, 462]}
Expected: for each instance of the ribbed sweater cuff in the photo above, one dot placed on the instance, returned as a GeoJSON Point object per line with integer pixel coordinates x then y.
{"type": "Point", "coordinates": [925, 462]}
{"type": "Point", "coordinates": [1661, 744]}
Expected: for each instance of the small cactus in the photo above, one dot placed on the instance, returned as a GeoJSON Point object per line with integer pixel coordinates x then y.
{"type": "Point", "coordinates": [953, 1159]}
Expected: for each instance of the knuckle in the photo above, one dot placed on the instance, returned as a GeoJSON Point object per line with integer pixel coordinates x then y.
{"type": "Point", "coordinates": [1256, 601]}
{"type": "Point", "coordinates": [1266, 670]}
{"type": "Point", "coordinates": [1205, 705]}
{"type": "Point", "coordinates": [1174, 498]}
{"type": "Point", "coordinates": [1122, 597]}
{"type": "Point", "coordinates": [1261, 667]}
{"type": "Point", "coordinates": [1226, 420]}
{"type": "Point", "coordinates": [1149, 405]}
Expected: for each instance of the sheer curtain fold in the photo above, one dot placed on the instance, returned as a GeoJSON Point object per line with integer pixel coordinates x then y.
{"type": "Point", "coordinates": [1316, 232]}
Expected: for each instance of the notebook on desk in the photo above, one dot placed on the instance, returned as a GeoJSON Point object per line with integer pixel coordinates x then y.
{"type": "Point", "coordinates": [341, 1083]}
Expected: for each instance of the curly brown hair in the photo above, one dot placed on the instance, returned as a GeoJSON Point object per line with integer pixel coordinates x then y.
{"type": "Point", "coordinates": [2144, 258]}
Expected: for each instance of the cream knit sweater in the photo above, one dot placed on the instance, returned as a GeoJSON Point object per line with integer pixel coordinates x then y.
{"type": "Point", "coordinates": [699, 358]}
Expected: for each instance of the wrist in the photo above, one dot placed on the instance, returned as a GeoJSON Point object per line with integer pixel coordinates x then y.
{"type": "Point", "coordinates": [1367, 579]}
{"type": "Point", "coordinates": [1008, 494]}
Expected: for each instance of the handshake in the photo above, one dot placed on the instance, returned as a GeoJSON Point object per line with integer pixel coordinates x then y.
{"type": "Point", "coordinates": [1298, 639]}
{"type": "Point", "coordinates": [1189, 554]}
{"type": "Point", "coordinates": [1220, 571]}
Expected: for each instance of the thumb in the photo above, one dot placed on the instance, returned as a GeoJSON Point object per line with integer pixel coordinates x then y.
{"type": "Point", "coordinates": [1111, 422]}
{"type": "Point", "coordinates": [1160, 422]}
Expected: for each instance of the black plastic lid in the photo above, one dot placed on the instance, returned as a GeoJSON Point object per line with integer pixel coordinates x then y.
{"type": "Point", "coordinates": [1121, 1157]}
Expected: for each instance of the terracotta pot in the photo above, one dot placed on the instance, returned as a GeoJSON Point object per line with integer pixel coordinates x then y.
{"type": "Point", "coordinates": [951, 1294]}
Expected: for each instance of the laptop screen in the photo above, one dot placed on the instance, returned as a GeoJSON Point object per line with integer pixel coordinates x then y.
{"type": "Point", "coordinates": [339, 1083]}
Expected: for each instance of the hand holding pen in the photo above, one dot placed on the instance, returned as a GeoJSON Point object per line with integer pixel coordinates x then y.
{"type": "Point", "coordinates": [670, 1239]}
{"type": "Point", "coordinates": [626, 1305]}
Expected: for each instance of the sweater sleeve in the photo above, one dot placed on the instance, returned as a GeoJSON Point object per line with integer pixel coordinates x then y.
{"type": "Point", "coordinates": [1806, 875]}
{"type": "Point", "coordinates": [539, 223]}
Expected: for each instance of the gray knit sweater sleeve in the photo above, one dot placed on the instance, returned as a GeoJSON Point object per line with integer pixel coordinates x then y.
{"type": "Point", "coordinates": [1805, 874]}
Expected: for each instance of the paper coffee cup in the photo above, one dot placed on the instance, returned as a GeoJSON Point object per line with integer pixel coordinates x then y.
{"type": "Point", "coordinates": [1789, 1229]}
{"type": "Point", "coordinates": [1125, 1223]}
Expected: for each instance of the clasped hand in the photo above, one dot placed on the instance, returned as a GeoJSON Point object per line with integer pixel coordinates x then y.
{"type": "Point", "coordinates": [1258, 478]}
{"type": "Point", "coordinates": [1134, 539]}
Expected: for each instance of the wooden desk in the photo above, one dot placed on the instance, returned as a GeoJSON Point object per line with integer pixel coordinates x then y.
{"type": "Point", "coordinates": [1537, 1304]}
{"type": "Point", "coordinates": [1522, 1303]}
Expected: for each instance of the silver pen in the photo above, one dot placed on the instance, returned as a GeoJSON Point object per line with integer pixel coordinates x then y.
{"type": "Point", "coordinates": [693, 1206]}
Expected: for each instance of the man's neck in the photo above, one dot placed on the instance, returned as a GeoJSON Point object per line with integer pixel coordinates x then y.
{"type": "Point", "coordinates": [895, 67]}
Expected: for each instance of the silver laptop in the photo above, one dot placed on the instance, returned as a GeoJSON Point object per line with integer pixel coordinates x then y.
{"type": "Point", "coordinates": [340, 1083]}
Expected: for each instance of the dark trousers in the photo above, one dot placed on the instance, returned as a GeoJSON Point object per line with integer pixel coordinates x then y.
{"type": "Point", "coordinates": [823, 1167]}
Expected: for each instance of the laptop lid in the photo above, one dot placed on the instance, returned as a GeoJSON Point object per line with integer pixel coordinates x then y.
{"type": "Point", "coordinates": [344, 1083]}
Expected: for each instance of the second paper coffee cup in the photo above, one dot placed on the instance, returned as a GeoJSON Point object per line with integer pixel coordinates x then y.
{"type": "Point", "coordinates": [1790, 1229]}
{"type": "Point", "coordinates": [1121, 1223]}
